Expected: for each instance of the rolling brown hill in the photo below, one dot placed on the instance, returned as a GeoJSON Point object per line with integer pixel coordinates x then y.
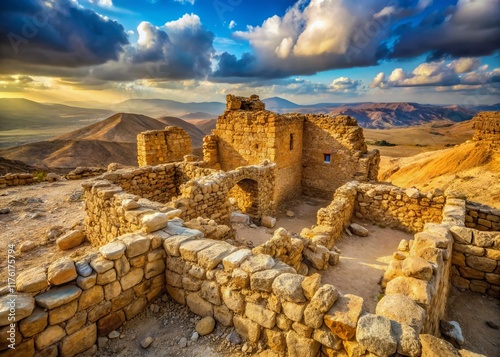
{"type": "Point", "coordinates": [111, 140]}
{"type": "Point", "coordinates": [124, 127]}
{"type": "Point", "coordinates": [472, 168]}
{"type": "Point", "coordinates": [14, 166]}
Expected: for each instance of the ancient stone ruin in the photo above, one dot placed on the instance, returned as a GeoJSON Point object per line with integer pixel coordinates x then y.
{"type": "Point", "coordinates": [164, 228]}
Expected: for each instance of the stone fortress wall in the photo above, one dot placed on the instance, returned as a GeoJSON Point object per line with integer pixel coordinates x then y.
{"type": "Point", "coordinates": [162, 146]}
{"type": "Point", "coordinates": [487, 125]}
{"type": "Point", "coordinates": [314, 154]}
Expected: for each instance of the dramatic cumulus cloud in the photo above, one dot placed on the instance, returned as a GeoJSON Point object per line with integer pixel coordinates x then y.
{"type": "Point", "coordinates": [180, 49]}
{"type": "Point", "coordinates": [57, 33]}
{"type": "Point", "coordinates": [79, 45]}
{"type": "Point", "coordinates": [471, 28]}
{"type": "Point", "coordinates": [318, 35]}
{"type": "Point", "coordinates": [461, 73]}
{"type": "Point", "coordinates": [311, 36]}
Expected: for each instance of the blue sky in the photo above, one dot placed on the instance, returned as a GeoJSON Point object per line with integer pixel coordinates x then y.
{"type": "Point", "coordinates": [307, 51]}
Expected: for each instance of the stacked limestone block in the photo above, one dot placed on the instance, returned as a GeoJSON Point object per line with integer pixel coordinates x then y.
{"type": "Point", "coordinates": [162, 146]}
{"type": "Point", "coordinates": [115, 202]}
{"type": "Point", "coordinates": [476, 260]}
{"type": "Point", "coordinates": [268, 302]}
{"type": "Point", "coordinates": [421, 271]}
{"type": "Point", "coordinates": [339, 212]}
{"type": "Point", "coordinates": [284, 248]}
{"type": "Point", "coordinates": [482, 217]}
{"type": "Point", "coordinates": [395, 207]}
{"type": "Point", "coordinates": [342, 139]}
{"type": "Point", "coordinates": [21, 179]}
{"type": "Point", "coordinates": [209, 194]}
{"type": "Point", "coordinates": [84, 172]}
{"type": "Point", "coordinates": [487, 125]}
{"type": "Point", "coordinates": [62, 310]}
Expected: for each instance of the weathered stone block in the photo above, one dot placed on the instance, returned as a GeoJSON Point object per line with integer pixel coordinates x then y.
{"type": "Point", "coordinates": [415, 289]}
{"type": "Point", "coordinates": [132, 278]}
{"type": "Point", "coordinates": [293, 311]}
{"type": "Point", "coordinates": [436, 347]}
{"type": "Point", "coordinates": [324, 336]}
{"type": "Point", "coordinates": [189, 250]}
{"type": "Point", "coordinates": [113, 250]}
{"type": "Point", "coordinates": [79, 341]}
{"type": "Point", "coordinates": [136, 243]}
{"type": "Point", "coordinates": [106, 278]}
{"type": "Point", "coordinates": [418, 268]}
{"type": "Point", "coordinates": [299, 346]}
{"type": "Point", "coordinates": [63, 313]}
{"type": "Point", "coordinates": [234, 300]}
{"type": "Point", "coordinates": [49, 336]}
{"type": "Point", "coordinates": [110, 323]}
{"type": "Point", "coordinates": [32, 280]}
{"type": "Point", "coordinates": [210, 292]}
{"type": "Point", "coordinates": [482, 264]}
{"type": "Point", "coordinates": [246, 328]}
{"type": "Point", "coordinates": [34, 323]}
{"type": "Point", "coordinates": [135, 307]}
{"type": "Point", "coordinates": [172, 244]}
{"type": "Point", "coordinates": [223, 315]}
{"type": "Point", "coordinates": [342, 318]}
{"type": "Point", "coordinates": [288, 287]}
{"type": "Point", "coordinates": [263, 280]}
{"type": "Point", "coordinates": [23, 304]}
{"type": "Point", "coordinates": [261, 315]}
{"type": "Point", "coordinates": [61, 271]}
{"type": "Point", "coordinates": [257, 263]}
{"type": "Point", "coordinates": [211, 257]}
{"type": "Point", "coordinates": [311, 284]}
{"type": "Point", "coordinates": [76, 322]}
{"type": "Point", "coordinates": [198, 305]}
{"type": "Point", "coordinates": [402, 309]}
{"type": "Point", "coordinates": [91, 297]}
{"type": "Point", "coordinates": [154, 268]}
{"type": "Point", "coordinates": [374, 333]}
{"type": "Point", "coordinates": [70, 240]}
{"type": "Point", "coordinates": [58, 296]}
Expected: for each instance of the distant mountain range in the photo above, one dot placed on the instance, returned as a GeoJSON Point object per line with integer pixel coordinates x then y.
{"type": "Point", "coordinates": [55, 135]}
{"type": "Point", "coordinates": [111, 140]}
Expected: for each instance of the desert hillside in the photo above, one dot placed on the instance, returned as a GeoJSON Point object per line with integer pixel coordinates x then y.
{"type": "Point", "coordinates": [111, 140]}
{"type": "Point", "coordinates": [472, 167]}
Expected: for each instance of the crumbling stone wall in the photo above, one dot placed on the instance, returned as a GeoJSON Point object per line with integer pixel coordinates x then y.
{"type": "Point", "coordinates": [62, 310]}
{"type": "Point", "coordinates": [342, 139]}
{"type": "Point", "coordinates": [162, 146]}
{"type": "Point", "coordinates": [476, 260]}
{"type": "Point", "coordinates": [481, 217]}
{"type": "Point", "coordinates": [487, 125]}
{"type": "Point", "coordinates": [22, 179]}
{"type": "Point", "coordinates": [126, 200]}
{"type": "Point", "coordinates": [405, 209]}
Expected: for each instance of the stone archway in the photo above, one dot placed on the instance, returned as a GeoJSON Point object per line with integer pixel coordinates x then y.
{"type": "Point", "coordinates": [246, 197]}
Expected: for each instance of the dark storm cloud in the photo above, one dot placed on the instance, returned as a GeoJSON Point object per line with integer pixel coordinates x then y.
{"type": "Point", "coordinates": [57, 33]}
{"type": "Point", "coordinates": [471, 28]}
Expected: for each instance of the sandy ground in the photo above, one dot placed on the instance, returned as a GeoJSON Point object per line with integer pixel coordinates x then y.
{"type": "Point", "coordinates": [363, 258]}
{"type": "Point", "coordinates": [472, 311]}
{"type": "Point", "coordinates": [34, 211]}
{"type": "Point", "coordinates": [363, 261]}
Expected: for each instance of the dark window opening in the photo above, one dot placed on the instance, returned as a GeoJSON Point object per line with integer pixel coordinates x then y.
{"type": "Point", "coordinates": [291, 141]}
{"type": "Point", "coordinates": [256, 146]}
{"type": "Point", "coordinates": [327, 158]}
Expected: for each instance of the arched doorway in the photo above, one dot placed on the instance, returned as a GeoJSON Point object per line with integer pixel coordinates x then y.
{"type": "Point", "coordinates": [245, 197]}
